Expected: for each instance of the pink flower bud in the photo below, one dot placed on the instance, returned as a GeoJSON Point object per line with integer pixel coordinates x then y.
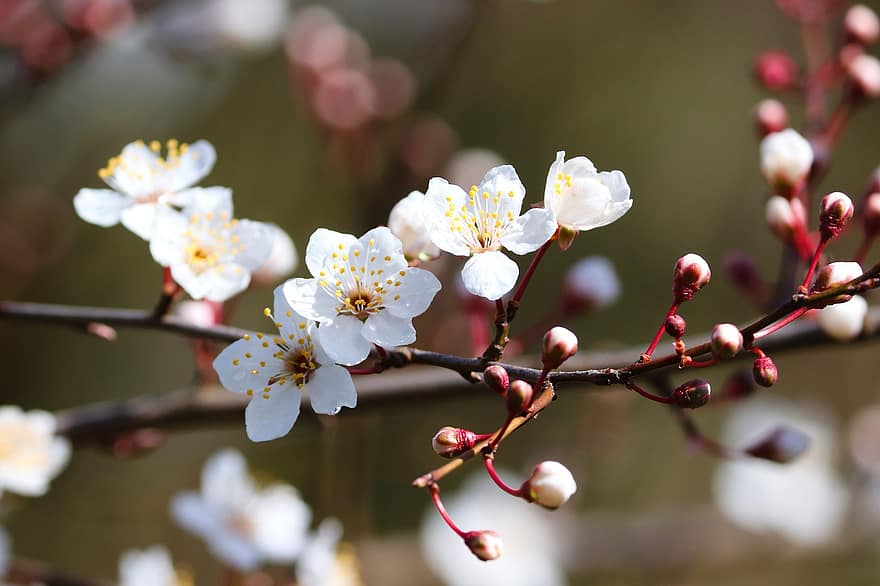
{"type": "Point", "coordinates": [560, 344]}
{"type": "Point", "coordinates": [871, 215]}
{"type": "Point", "coordinates": [836, 274]}
{"type": "Point", "coordinates": [496, 378]}
{"type": "Point", "coordinates": [835, 210]}
{"type": "Point", "coordinates": [691, 274]}
{"type": "Point", "coordinates": [861, 25]}
{"type": "Point", "coordinates": [864, 72]}
{"type": "Point", "coordinates": [675, 326]}
{"type": "Point", "coordinates": [486, 544]}
{"type": "Point", "coordinates": [764, 371]}
{"type": "Point", "coordinates": [727, 341]}
{"type": "Point", "coordinates": [770, 116]}
{"type": "Point", "coordinates": [776, 71]}
{"type": "Point", "coordinates": [692, 394]}
{"type": "Point", "coordinates": [519, 397]}
{"type": "Point", "coordinates": [550, 485]}
{"type": "Point", "coordinates": [450, 442]}
{"type": "Point", "coordinates": [784, 216]}
{"type": "Point", "coordinates": [782, 445]}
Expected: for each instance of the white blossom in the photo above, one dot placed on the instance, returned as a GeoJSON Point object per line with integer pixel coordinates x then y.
{"type": "Point", "coordinates": [148, 567]}
{"type": "Point", "coordinates": [275, 370]}
{"type": "Point", "coordinates": [786, 158]}
{"type": "Point", "coordinates": [804, 501]}
{"type": "Point", "coordinates": [479, 223]}
{"type": "Point", "coordinates": [550, 485]}
{"type": "Point", "coordinates": [583, 198]}
{"type": "Point", "coordinates": [407, 222]}
{"type": "Point", "coordinates": [844, 321]}
{"type": "Point", "coordinates": [243, 525]}
{"type": "Point", "coordinates": [362, 292]}
{"type": "Point", "coordinates": [282, 259]}
{"type": "Point", "coordinates": [323, 562]}
{"type": "Point", "coordinates": [30, 453]}
{"type": "Point", "coordinates": [143, 181]}
{"type": "Point", "coordinates": [210, 253]}
{"type": "Point", "coordinates": [591, 282]}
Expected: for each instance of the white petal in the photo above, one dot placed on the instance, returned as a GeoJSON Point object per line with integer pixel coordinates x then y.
{"type": "Point", "coordinates": [226, 483]}
{"type": "Point", "coordinates": [281, 521]}
{"type": "Point", "coordinates": [192, 166]}
{"type": "Point", "coordinates": [342, 340]}
{"type": "Point", "coordinates": [268, 419]}
{"type": "Point", "coordinates": [388, 331]}
{"type": "Point", "coordinates": [100, 206]}
{"type": "Point", "coordinates": [617, 185]}
{"type": "Point", "coordinates": [385, 242]}
{"type": "Point", "coordinates": [282, 258]}
{"type": "Point", "coordinates": [135, 175]}
{"type": "Point", "coordinates": [190, 511]}
{"type": "Point", "coordinates": [289, 320]}
{"type": "Point", "coordinates": [309, 300]}
{"type": "Point", "coordinates": [236, 364]}
{"type": "Point", "coordinates": [552, 173]}
{"type": "Point", "coordinates": [505, 181]}
{"type": "Point", "coordinates": [322, 244]}
{"type": "Point", "coordinates": [489, 275]}
{"type": "Point", "coordinates": [529, 231]}
{"type": "Point", "coordinates": [438, 199]}
{"type": "Point", "coordinates": [331, 389]}
{"type": "Point", "coordinates": [198, 200]}
{"type": "Point", "coordinates": [140, 219]}
{"type": "Point", "coordinates": [415, 294]}
{"type": "Point", "coordinates": [167, 241]}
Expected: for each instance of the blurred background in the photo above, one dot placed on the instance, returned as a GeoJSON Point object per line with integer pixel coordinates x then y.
{"type": "Point", "coordinates": [325, 115]}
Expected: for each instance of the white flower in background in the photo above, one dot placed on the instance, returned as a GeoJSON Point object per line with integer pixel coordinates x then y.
{"type": "Point", "coordinates": [257, 25]}
{"type": "Point", "coordinates": [242, 524]}
{"type": "Point", "coordinates": [363, 292]}
{"type": "Point", "coordinates": [804, 501]}
{"type": "Point", "coordinates": [197, 313]}
{"type": "Point", "coordinates": [275, 370]}
{"type": "Point", "coordinates": [583, 198]}
{"type": "Point", "coordinates": [30, 453]}
{"type": "Point", "coordinates": [590, 283]}
{"type": "Point", "coordinates": [479, 223]}
{"type": "Point", "coordinates": [407, 222]}
{"type": "Point", "coordinates": [148, 567]}
{"type": "Point", "coordinates": [786, 158]}
{"type": "Point", "coordinates": [532, 538]}
{"type": "Point", "coordinates": [282, 259]}
{"type": "Point", "coordinates": [210, 253]}
{"type": "Point", "coordinates": [143, 180]}
{"type": "Point", "coordinates": [844, 321]}
{"type": "Point", "coordinates": [324, 563]}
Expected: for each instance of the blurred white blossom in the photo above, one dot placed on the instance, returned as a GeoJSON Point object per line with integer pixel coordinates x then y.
{"type": "Point", "coordinates": [844, 321]}
{"type": "Point", "coordinates": [407, 222]}
{"type": "Point", "coordinates": [786, 158]}
{"type": "Point", "coordinates": [324, 562]}
{"type": "Point", "coordinates": [30, 453]}
{"type": "Point", "coordinates": [148, 567]}
{"type": "Point", "coordinates": [282, 259]}
{"type": "Point", "coordinates": [591, 283]}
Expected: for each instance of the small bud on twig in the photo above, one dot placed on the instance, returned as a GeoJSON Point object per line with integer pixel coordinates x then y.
{"type": "Point", "coordinates": [864, 72]}
{"type": "Point", "coordinates": [496, 378]}
{"type": "Point", "coordinates": [835, 210]}
{"type": "Point", "coordinates": [451, 442]}
{"type": "Point", "coordinates": [519, 397]}
{"type": "Point", "coordinates": [675, 326]}
{"type": "Point", "coordinates": [861, 25]}
{"type": "Point", "coordinates": [550, 485]}
{"type": "Point", "coordinates": [770, 116]}
{"type": "Point", "coordinates": [871, 215]}
{"type": "Point", "coordinates": [776, 70]}
{"type": "Point", "coordinates": [836, 274]}
{"type": "Point", "coordinates": [486, 544]}
{"type": "Point", "coordinates": [764, 371]}
{"type": "Point", "coordinates": [782, 445]}
{"type": "Point", "coordinates": [727, 341]}
{"type": "Point", "coordinates": [691, 274]}
{"type": "Point", "coordinates": [785, 217]}
{"type": "Point", "coordinates": [559, 345]}
{"type": "Point", "coordinates": [692, 394]}
{"type": "Point", "coordinates": [786, 158]}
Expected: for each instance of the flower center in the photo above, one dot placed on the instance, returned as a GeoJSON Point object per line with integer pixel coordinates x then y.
{"type": "Point", "coordinates": [140, 167]}
{"type": "Point", "coordinates": [210, 240]}
{"type": "Point", "coordinates": [21, 447]}
{"type": "Point", "coordinates": [563, 181]}
{"type": "Point", "coordinates": [480, 221]}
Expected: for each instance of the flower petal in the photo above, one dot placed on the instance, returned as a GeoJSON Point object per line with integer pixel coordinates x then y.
{"type": "Point", "coordinates": [440, 197]}
{"type": "Point", "coordinates": [255, 243]}
{"type": "Point", "coordinates": [415, 294]}
{"type": "Point", "coordinates": [342, 340]}
{"type": "Point", "coordinates": [140, 219]}
{"type": "Point", "coordinates": [309, 300]}
{"type": "Point", "coordinates": [385, 242]}
{"type": "Point", "coordinates": [268, 419]}
{"type": "Point", "coordinates": [198, 200]}
{"type": "Point", "coordinates": [226, 482]}
{"type": "Point", "coordinates": [489, 275]}
{"type": "Point", "coordinates": [322, 245]}
{"type": "Point", "coordinates": [504, 182]}
{"type": "Point", "coordinates": [330, 389]}
{"type": "Point", "coordinates": [237, 363]}
{"type": "Point", "coordinates": [100, 206]}
{"type": "Point", "coordinates": [388, 331]}
{"type": "Point", "coordinates": [529, 231]}
{"type": "Point", "coordinates": [167, 240]}
{"type": "Point", "coordinates": [281, 521]}
{"type": "Point", "coordinates": [192, 166]}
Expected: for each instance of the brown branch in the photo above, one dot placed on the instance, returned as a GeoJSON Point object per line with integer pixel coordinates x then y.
{"type": "Point", "coordinates": [30, 572]}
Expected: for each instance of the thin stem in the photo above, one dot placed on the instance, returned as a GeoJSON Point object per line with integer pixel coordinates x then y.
{"type": "Point", "coordinates": [170, 289]}
{"type": "Point", "coordinates": [814, 262]}
{"type": "Point", "coordinates": [496, 349]}
{"type": "Point", "coordinates": [513, 305]}
{"type": "Point", "coordinates": [488, 460]}
{"type": "Point", "coordinates": [780, 324]}
{"type": "Point", "coordinates": [438, 504]}
{"type": "Point", "coordinates": [634, 387]}
{"type": "Point", "coordinates": [653, 345]}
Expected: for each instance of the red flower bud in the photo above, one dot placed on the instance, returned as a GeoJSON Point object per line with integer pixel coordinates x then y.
{"type": "Point", "coordinates": [776, 71]}
{"type": "Point", "coordinates": [495, 377]}
{"type": "Point", "coordinates": [692, 394]}
{"type": "Point", "coordinates": [560, 344]}
{"type": "Point", "coordinates": [450, 442]}
{"type": "Point", "coordinates": [835, 210]}
{"type": "Point", "coordinates": [764, 371]}
{"type": "Point", "coordinates": [675, 326]}
{"type": "Point", "coordinates": [782, 445]}
{"type": "Point", "coordinates": [727, 341]}
{"type": "Point", "coordinates": [691, 274]}
{"type": "Point", "coordinates": [519, 397]}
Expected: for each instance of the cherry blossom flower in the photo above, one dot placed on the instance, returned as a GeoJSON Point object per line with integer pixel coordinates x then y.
{"type": "Point", "coordinates": [407, 222]}
{"type": "Point", "coordinates": [275, 370]}
{"type": "Point", "coordinates": [210, 253]}
{"type": "Point", "coordinates": [148, 567]}
{"type": "Point", "coordinates": [30, 452]}
{"type": "Point", "coordinates": [324, 562]}
{"type": "Point", "coordinates": [479, 223]}
{"type": "Point", "coordinates": [243, 525]}
{"type": "Point", "coordinates": [583, 198]}
{"type": "Point", "coordinates": [362, 292]}
{"type": "Point", "coordinates": [143, 181]}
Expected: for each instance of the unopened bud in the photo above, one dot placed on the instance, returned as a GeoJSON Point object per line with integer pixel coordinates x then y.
{"type": "Point", "coordinates": [782, 445]}
{"type": "Point", "coordinates": [550, 485]}
{"type": "Point", "coordinates": [844, 321]}
{"type": "Point", "coordinates": [871, 215]}
{"type": "Point", "coordinates": [764, 371]}
{"type": "Point", "coordinates": [590, 283]}
{"type": "Point", "coordinates": [738, 385]}
{"type": "Point", "coordinates": [836, 274]}
{"type": "Point", "coordinates": [450, 442]}
{"type": "Point", "coordinates": [727, 341]}
{"type": "Point", "coordinates": [486, 545]}
{"type": "Point", "coordinates": [566, 237]}
{"type": "Point", "coordinates": [786, 158]}
{"type": "Point", "coordinates": [849, 52]}
{"type": "Point", "coordinates": [496, 378]}
{"type": "Point", "coordinates": [861, 25]}
{"type": "Point", "coordinates": [675, 326]}
{"type": "Point", "coordinates": [691, 274]}
{"type": "Point", "coordinates": [743, 272]}
{"type": "Point", "coordinates": [692, 394]}
{"type": "Point", "coordinates": [519, 397]}
{"type": "Point", "coordinates": [784, 217]}
{"type": "Point", "coordinates": [560, 344]}
{"type": "Point", "coordinates": [864, 71]}
{"type": "Point", "coordinates": [835, 210]}
{"type": "Point", "coordinates": [776, 71]}
{"type": "Point", "coordinates": [770, 116]}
